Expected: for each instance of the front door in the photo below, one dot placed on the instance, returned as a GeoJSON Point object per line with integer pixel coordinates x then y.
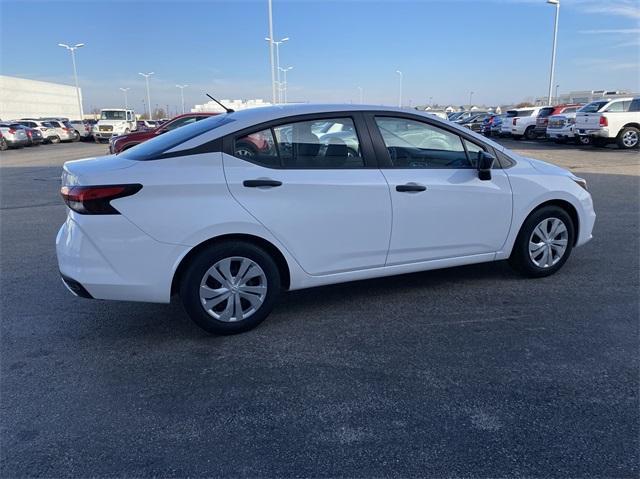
{"type": "Point", "coordinates": [441, 209]}
{"type": "Point", "coordinates": [313, 187]}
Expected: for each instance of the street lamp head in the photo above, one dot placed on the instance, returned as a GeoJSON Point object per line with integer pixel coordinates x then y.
{"type": "Point", "coordinates": [78, 45]}
{"type": "Point", "coordinates": [398, 72]}
{"type": "Point", "coordinates": [63, 45]}
{"type": "Point", "coordinates": [553, 2]}
{"type": "Point", "coordinates": [285, 39]}
{"type": "Point", "coordinates": [267, 39]}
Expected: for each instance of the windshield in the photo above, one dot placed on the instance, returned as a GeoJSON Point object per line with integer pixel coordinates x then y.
{"type": "Point", "coordinates": [113, 115]}
{"type": "Point", "coordinates": [158, 145]}
{"type": "Point", "coordinates": [546, 112]}
{"type": "Point", "coordinates": [593, 107]}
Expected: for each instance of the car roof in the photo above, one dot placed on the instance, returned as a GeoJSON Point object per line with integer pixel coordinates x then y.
{"type": "Point", "coordinates": [253, 117]}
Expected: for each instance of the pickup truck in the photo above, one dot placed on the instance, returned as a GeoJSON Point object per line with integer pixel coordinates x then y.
{"type": "Point", "coordinates": [521, 122]}
{"type": "Point", "coordinates": [561, 128]}
{"type": "Point", "coordinates": [547, 112]}
{"type": "Point", "coordinates": [610, 120]}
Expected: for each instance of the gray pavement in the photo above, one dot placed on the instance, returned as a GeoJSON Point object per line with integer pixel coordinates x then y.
{"type": "Point", "coordinates": [471, 371]}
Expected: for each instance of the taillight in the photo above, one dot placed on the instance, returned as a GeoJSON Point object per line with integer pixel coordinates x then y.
{"type": "Point", "coordinates": [515, 120]}
{"type": "Point", "coordinates": [95, 200]}
{"type": "Point", "coordinates": [604, 121]}
{"type": "Point", "coordinates": [12, 131]}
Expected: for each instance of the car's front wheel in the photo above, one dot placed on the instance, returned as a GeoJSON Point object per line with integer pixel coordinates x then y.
{"type": "Point", "coordinates": [544, 243]}
{"type": "Point", "coordinates": [230, 287]}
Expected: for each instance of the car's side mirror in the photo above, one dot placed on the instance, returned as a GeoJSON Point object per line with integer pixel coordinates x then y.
{"type": "Point", "coordinates": [485, 163]}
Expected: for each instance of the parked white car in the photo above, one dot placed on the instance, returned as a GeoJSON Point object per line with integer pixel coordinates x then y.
{"type": "Point", "coordinates": [196, 212]}
{"type": "Point", "coordinates": [114, 122]}
{"type": "Point", "coordinates": [522, 122]}
{"type": "Point", "coordinates": [561, 128]}
{"type": "Point", "coordinates": [607, 121]}
{"type": "Point", "coordinates": [51, 132]}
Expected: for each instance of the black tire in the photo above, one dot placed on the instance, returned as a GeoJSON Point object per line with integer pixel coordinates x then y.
{"type": "Point", "coordinates": [54, 139]}
{"type": "Point", "coordinates": [76, 136]}
{"type": "Point", "coordinates": [3, 144]}
{"type": "Point", "coordinates": [628, 138]}
{"type": "Point", "coordinates": [530, 133]}
{"type": "Point", "coordinates": [520, 259]}
{"type": "Point", "coordinates": [584, 140]}
{"type": "Point", "coordinates": [192, 276]}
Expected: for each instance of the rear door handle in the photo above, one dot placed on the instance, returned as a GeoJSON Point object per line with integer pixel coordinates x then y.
{"type": "Point", "coordinates": [410, 187]}
{"type": "Point", "coordinates": [263, 183]}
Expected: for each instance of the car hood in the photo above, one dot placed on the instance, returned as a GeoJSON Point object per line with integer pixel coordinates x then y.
{"type": "Point", "coordinates": [548, 168]}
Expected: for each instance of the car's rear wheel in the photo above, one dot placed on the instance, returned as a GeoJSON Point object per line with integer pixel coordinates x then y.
{"type": "Point", "coordinates": [230, 287]}
{"type": "Point", "coordinates": [544, 242]}
{"type": "Point", "coordinates": [628, 138]}
{"type": "Point", "coordinates": [76, 136]}
{"type": "Point", "coordinates": [54, 139]}
{"type": "Point", "coordinates": [584, 140]}
{"type": "Point", "coordinates": [3, 144]}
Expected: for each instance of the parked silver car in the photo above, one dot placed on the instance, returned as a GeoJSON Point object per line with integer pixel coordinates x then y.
{"type": "Point", "coordinates": [13, 137]}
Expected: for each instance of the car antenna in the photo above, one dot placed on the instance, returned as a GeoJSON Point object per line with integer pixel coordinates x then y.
{"type": "Point", "coordinates": [228, 110]}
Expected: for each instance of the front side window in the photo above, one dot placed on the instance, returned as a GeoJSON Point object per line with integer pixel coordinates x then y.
{"type": "Point", "coordinates": [635, 105]}
{"type": "Point", "coordinates": [413, 144]}
{"type": "Point", "coordinates": [320, 144]}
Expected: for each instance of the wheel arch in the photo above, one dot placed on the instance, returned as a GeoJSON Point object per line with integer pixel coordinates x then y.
{"type": "Point", "coordinates": [276, 254]}
{"type": "Point", "coordinates": [632, 125]}
{"type": "Point", "coordinates": [565, 205]}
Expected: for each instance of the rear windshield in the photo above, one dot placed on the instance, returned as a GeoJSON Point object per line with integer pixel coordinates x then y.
{"type": "Point", "coordinates": [593, 107]}
{"type": "Point", "coordinates": [158, 145]}
{"type": "Point", "coordinates": [544, 112]}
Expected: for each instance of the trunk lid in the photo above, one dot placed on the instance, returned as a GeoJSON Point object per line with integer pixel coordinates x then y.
{"type": "Point", "coordinates": [101, 170]}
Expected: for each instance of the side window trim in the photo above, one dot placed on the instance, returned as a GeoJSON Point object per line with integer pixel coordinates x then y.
{"type": "Point", "coordinates": [366, 149]}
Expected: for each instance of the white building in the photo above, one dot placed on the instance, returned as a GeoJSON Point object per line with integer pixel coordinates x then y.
{"type": "Point", "coordinates": [23, 98]}
{"type": "Point", "coordinates": [233, 104]}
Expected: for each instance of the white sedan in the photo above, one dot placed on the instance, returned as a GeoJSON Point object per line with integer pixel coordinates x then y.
{"type": "Point", "coordinates": [230, 211]}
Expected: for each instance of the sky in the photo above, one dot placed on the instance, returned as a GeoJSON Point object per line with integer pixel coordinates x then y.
{"type": "Point", "coordinates": [499, 49]}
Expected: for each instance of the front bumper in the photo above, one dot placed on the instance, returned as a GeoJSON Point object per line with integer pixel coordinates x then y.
{"type": "Point", "coordinates": [560, 133]}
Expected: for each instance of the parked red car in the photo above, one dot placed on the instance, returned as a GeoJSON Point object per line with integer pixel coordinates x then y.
{"type": "Point", "coordinates": [543, 117]}
{"type": "Point", "coordinates": [123, 142]}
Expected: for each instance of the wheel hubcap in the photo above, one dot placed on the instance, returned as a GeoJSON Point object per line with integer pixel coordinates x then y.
{"type": "Point", "coordinates": [630, 139]}
{"type": "Point", "coordinates": [233, 289]}
{"type": "Point", "coordinates": [548, 242]}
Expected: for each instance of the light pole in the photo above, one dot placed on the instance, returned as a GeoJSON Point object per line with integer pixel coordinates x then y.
{"type": "Point", "coordinates": [273, 70]}
{"type": "Point", "coordinates": [361, 91]}
{"type": "Point", "coordinates": [470, 99]}
{"type": "Point", "coordinates": [146, 77]}
{"type": "Point", "coordinates": [75, 72]}
{"type": "Point", "coordinates": [182, 87]}
{"type": "Point", "coordinates": [557, 98]}
{"type": "Point", "coordinates": [125, 90]}
{"type": "Point", "coordinates": [277, 44]}
{"type": "Point", "coordinates": [400, 92]}
{"type": "Point", "coordinates": [555, 42]}
{"type": "Point", "coordinates": [285, 85]}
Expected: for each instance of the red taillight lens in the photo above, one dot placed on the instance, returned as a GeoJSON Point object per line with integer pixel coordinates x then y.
{"type": "Point", "coordinates": [95, 200]}
{"type": "Point", "coordinates": [604, 121]}
{"type": "Point", "coordinates": [12, 131]}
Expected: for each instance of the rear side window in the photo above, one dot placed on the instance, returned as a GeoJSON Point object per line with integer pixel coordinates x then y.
{"type": "Point", "coordinates": [511, 113]}
{"type": "Point", "coordinates": [316, 144]}
{"type": "Point", "coordinates": [522, 113]}
{"type": "Point", "coordinates": [616, 107]}
{"type": "Point", "coordinates": [150, 149]}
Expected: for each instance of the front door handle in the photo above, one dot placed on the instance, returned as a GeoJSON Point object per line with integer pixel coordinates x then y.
{"type": "Point", "coordinates": [263, 183]}
{"type": "Point", "coordinates": [410, 187]}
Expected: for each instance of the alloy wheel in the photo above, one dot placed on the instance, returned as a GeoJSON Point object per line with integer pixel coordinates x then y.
{"type": "Point", "coordinates": [630, 138]}
{"type": "Point", "coordinates": [548, 242]}
{"type": "Point", "coordinates": [233, 289]}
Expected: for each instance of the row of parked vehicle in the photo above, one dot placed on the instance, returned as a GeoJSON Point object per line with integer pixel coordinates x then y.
{"type": "Point", "coordinates": [599, 123]}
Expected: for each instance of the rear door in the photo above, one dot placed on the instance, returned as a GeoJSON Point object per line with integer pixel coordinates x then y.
{"type": "Point", "coordinates": [441, 209]}
{"type": "Point", "coordinates": [313, 182]}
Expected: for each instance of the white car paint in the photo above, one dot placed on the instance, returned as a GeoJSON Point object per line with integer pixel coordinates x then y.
{"type": "Point", "coordinates": [330, 225]}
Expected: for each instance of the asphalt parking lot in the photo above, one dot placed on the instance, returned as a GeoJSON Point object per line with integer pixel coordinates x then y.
{"type": "Point", "coordinates": [472, 371]}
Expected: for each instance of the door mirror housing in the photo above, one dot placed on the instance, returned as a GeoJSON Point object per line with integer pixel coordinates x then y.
{"type": "Point", "coordinates": [485, 163]}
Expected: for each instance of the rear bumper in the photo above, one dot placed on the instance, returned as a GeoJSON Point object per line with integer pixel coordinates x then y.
{"type": "Point", "coordinates": [108, 257]}
{"type": "Point", "coordinates": [16, 142]}
{"type": "Point", "coordinates": [594, 133]}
